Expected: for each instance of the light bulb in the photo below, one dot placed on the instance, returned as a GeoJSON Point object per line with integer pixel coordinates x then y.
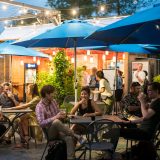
{"type": "Point", "coordinates": [38, 62]}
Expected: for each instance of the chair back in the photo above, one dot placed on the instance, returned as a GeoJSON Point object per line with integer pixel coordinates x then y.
{"type": "Point", "coordinates": [103, 130]}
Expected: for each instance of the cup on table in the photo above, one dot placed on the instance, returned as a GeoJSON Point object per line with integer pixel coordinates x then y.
{"type": "Point", "coordinates": [93, 118]}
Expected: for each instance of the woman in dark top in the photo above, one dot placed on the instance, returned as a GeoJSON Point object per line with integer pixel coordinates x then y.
{"type": "Point", "coordinates": [86, 108]}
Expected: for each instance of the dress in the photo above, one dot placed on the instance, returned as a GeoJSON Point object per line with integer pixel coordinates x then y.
{"type": "Point", "coordinates": [36, 131]}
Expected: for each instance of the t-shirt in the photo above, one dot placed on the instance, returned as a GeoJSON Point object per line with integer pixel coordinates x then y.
{"type": "Point", "coordinates": [104, 84]}
{"type": "Point", "coordinates": [149, 125]}
{"type": "Point", "coordinates": [140, 74]}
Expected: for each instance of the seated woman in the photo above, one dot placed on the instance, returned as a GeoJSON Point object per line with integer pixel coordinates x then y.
{"type": "Point", "coordinates": [32, 91]}
{"type": "Point", "coordinates": [86, 108]}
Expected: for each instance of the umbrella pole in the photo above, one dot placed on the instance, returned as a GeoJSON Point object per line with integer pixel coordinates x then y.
{"type": "Point", "coordinates": [75, 69]}
{"type": "Point", "coordinates": [115, 87]}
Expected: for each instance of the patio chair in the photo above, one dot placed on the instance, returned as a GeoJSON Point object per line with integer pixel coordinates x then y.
{"type": "Point", "coordinates": [66, 102]}
{"type": "Point", "coordinates": [154, 141]}
{"type": "Point", "coordinates": [49, 141]}
{"type": "Point", "coordinates": [104, 137]}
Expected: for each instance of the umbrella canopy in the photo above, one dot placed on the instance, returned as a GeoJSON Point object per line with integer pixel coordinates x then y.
{"type": "Point", "coordinates": [140, 28]}
{"type": "Point", "coordinates": [6, 48]}
{"type": "Point", "coordinates": [70, 34]}
{"type": "Point", "coordinates": [131, 48]}
{"type": "Point", "coordinates": [64, 35]}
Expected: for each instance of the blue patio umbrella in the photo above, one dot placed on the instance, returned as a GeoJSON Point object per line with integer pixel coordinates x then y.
{"type": "Point", "coordinates": [140, 28]}
{"type": "Point", "coordinates": [131, 48]}
{"type": "Point", "coordinates": [9, 49]}
{"type": "Point", "coordinates": [70, 34]}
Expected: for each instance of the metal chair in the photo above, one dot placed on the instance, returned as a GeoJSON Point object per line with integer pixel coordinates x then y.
{"type": "Point", "coordinates": [104, 136]}
{"type": "Point", "coordinates": [49, 141]}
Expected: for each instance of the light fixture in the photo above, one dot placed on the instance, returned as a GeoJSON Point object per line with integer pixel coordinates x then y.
{"type": "Point", "coordinates": [102, 8]}
{"type": "Point", "coordinates": [107, 53]}
{"type": "Point", "coordinates": [22, 22]}
{"type": "Point", "coordinates": [74, 12]}
{"type": "Point", "coordinates": [104, 57]}
{"type": "Point", "coordinates": [50, 58]}
{"type": "Point", "coordinates": [114, 59]}
{"type": "Point", "coordinates": [38, 62]}
{"type": "Point", "coordinates": [21, 62]}
{"type": "Point", "coordinates": [34, 59]}
{"type": "Point", "coordinates": [4, 7]}
{"type": "Point", "coordinates": [54, 53]}
{"type": "Point", "coordinates": [72, 60]}
{"type": "Point", "coordinates": [85, 58]}
{"type": "Point", "coordinates": [47, 13]}
{"type": "Point", "coordinates": [123, 56]}
{"type": "Point", "coordinates": [91, 59]}
{"type": "Point", "coordinates": [88, 52]}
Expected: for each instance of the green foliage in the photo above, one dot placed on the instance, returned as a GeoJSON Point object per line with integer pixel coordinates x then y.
{"type": "Point", "coordinates": [156, 78]}
{"type": "Point", "coordinates": [61, 77]}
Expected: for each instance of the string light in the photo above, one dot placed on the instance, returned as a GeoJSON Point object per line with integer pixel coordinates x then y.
{"type": "Point", "coordinates": [22, 22]}
{"type": "Point", "coordinates": [4, 7]}
{"type": "Point", "coordinates": [74, 12]}
{"type": "Point", "coordinates": [102, 8]}
{"type": "Point", "coordinates": [54, 53]}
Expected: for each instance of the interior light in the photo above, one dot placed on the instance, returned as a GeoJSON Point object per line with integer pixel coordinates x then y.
{"type": "Point", "coordinates": [85, 58]}
{"type": "Point", "coordinates": [54, 53]}
{"type": "Point", "coordinates": [38, 62]}
{"type": "Point", "coordinates": [104, 57]}
{"type": "Point", "coordinates": [72, 60]}
{"type": "Point", "coordinates": [21, 62]}
{"type": "Point", "coordinates": [107, 53]}
{"type": "Point", "coordinates": [91, 60]}
{"type": "Point", "coordinates": [88, 52]}
{"type": "Point", "coordinates": [34, 59]}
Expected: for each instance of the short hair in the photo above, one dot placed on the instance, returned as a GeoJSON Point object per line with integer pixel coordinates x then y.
{"type": "Point", "coordinates": [155, 86]}
{"type": "Point", "coordinates": [47, 89]}
{"type": "Point", "coordinates": [100, 74]}
{"type": "Point", "coordinates": [86, 88]}
{"type": "Point", "coordinates": [6, 84]}
{"type": "Point", "coordinates": [135, 84]}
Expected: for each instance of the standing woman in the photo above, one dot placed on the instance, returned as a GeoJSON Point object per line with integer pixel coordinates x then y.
{"type": "Point", "coordinates": [105, 91]}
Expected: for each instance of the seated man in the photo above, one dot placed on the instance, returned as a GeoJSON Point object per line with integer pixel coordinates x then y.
{"type": "Point", "coordinates": [50, 118]}
{"type": "Point", "coordinates": [7, 98]}
{"type": "Point", "coordinates": [150, 115]}
{"type": "Point", "coordinates": [130, 102]}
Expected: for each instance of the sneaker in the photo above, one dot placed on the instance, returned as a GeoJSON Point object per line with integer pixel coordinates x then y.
{"type": "Point", "coordinates": [81, 140]}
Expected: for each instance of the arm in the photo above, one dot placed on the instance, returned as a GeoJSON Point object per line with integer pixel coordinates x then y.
{"type": "Point", "coordinates": [75, 108]}
{"type": "Point", "coordinates": [146, 112]}
{"type": "Point", "coordinates": [99, 91]}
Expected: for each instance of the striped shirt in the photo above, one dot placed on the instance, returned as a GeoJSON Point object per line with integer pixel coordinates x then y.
{"type": "Point", "coordinates": [46, 112]}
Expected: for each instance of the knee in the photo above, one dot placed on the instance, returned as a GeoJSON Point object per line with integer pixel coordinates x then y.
{"type": "Point", "coordinates": [56, 122]}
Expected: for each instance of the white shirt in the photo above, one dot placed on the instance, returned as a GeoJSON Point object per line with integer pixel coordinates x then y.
{"type": "Point", "coordinates": [104, 84]}
{"type": "Point", "coordinates": [141, 75]}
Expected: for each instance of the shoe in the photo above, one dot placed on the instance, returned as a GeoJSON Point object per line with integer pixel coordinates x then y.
{"type": "Point", "coordinates": [81, 140]}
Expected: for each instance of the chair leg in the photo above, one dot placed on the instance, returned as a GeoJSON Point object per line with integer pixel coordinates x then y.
{"type": "Point", "coordinates": [44, 150]}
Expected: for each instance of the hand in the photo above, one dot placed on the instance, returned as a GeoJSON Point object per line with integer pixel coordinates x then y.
{"type": "Point", "coordinates": [10, 95]}
{"type": "Point", "coordinates": [61, 115]}
{"type": "Point", "coordinates": [83, 101]}
{"type": "Point", "coordinates": [141, 97]}
{"type": "Point", "coordinates": [86, 115]}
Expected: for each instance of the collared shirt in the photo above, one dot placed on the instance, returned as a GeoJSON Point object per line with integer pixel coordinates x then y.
{"type": "Point", "coordinates": [131, 100]}
{"type": "Point", "coordinates": [45, 112]}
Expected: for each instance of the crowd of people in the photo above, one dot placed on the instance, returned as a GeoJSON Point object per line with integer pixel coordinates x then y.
{"type": "Point", "coordinates": [136, 107]}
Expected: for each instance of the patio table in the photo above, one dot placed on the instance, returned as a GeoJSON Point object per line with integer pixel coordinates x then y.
{"type": "Point", "coordinates": [10, 122]}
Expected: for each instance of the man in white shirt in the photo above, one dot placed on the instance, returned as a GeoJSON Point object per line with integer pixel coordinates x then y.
{"type": "Point", "coordinates": [139, 75]}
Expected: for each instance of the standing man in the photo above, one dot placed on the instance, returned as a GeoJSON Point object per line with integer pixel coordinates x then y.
{"type": "Point", "coordinates": [85, 77]}
{"type": "Point", "coordinates": [139, 75]}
